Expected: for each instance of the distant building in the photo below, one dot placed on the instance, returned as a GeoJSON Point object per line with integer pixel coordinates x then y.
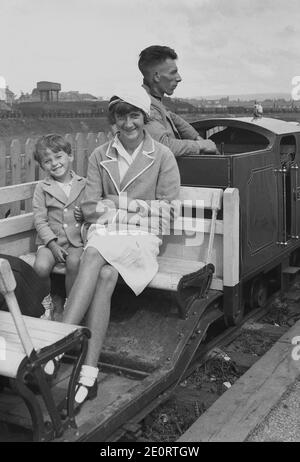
{"type": "Point", "coordinates": [48, 91]}
{"type": "Point", "coordinates": [4, 106]}
{"type": "Point", "coordinates": [33, 97]}
{"type": "Point", "coordinates": [76, 96]}
{"type": "Point", "coordinates": [7, 96]}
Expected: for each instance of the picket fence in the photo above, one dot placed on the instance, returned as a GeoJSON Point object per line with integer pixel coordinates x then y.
{"type": "Point", "coordinates": [17, 164]}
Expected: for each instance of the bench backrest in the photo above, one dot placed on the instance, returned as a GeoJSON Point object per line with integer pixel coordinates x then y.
{"type": "Point", "coordinates": [196, 221]}
{"type": "Point", "coordinates": [188, 241]}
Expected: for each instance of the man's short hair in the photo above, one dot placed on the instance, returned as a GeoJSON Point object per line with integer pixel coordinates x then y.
{"type": "Point", "coordinates": [153, 55]}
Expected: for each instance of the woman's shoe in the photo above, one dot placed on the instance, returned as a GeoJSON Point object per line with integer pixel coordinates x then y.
{"type": "Point", "coordinates": [83, 394]}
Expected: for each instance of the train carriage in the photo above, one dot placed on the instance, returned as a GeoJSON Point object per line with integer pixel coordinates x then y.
{"type": "Point", "coordinates": [259, 157]}
{"type": "Point", "coordinates": [245, 247]}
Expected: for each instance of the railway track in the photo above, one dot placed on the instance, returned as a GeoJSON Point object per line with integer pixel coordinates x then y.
{"type": "Point", "coordinates": [225, 356]}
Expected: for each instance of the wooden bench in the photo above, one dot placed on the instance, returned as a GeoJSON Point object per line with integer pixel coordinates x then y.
{"type": "Point", "coordinates": [27, 344]}
{"type": "Point", "coordinates": [193, 243]}
{"type": "Point", "coordinates": [21, 364]}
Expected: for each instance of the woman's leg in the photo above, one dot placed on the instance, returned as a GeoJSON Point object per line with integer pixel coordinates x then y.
{"type": "Point", "coordinates": [82, 292]}
{"type": "Point", "coordinates": [97, 321]}
{"type": "Point", "coordinates": [99, 312]}
{"type": "Point", "coordinates": [84, 287]}
{"type": "Point", "coordinates": [72, 266]}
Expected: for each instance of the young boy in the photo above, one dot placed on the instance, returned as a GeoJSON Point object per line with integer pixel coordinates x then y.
{"type": "Point", "coordinates": [57, 213]}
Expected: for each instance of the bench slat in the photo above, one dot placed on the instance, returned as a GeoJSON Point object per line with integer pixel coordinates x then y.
{"type": "Point", "coordinates": [17, 192]}
{"type": "Point", "coordinates": [42, 332]}
{"type": "Point", "coordinates": [9, 367]}
{"type": "Point", "coordinates": [171, 271]}
{"type": "Point", "coordinates": [41, 326]}
{"type": "Point", "coordinates": [203, 196]}
{"type": "Point", "coordinates": [16, 225]}
{"type": "Point", "coordinates": [39, 340]}
{"type": "Point", "coordinates": [203, 225]}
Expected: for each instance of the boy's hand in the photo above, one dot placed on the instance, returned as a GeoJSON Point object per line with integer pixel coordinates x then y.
{"type": "Point", "coordinates": [78, 214]}
{"type": "Point", "coordinates": [59, 253]}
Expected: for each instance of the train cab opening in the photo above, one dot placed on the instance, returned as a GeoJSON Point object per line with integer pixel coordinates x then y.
{"type": "Point", "coordinates": [236, 140]}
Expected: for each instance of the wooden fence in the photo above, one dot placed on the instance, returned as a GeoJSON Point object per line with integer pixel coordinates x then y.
{"type": "Point", "coordinates": [17, 164]}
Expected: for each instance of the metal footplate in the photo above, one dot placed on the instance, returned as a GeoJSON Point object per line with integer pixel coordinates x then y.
{"type": "Point", "coordinates": [193, 286]}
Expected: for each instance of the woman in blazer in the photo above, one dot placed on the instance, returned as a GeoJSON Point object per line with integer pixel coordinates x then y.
{"type": "Point", "coordinates": [130, 198]}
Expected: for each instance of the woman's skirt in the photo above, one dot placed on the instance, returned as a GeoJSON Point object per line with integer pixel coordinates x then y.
{"type": "Point", "coordinates": [132, 252]}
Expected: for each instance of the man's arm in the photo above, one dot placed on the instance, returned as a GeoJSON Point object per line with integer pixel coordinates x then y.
{"type": "Point", "coordinates": [179, 147]}
{"type": "Point", "coordinates": [184, 147]}
{"type": "Point", "coordinates": [185, 130]}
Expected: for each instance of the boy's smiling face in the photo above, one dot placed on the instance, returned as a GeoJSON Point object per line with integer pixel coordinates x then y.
{"type": "Point", "coordinates": [57, 164]}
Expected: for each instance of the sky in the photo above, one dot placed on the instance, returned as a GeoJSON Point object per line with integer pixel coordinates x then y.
{"type": "Point", "coordinates": [224, 46]}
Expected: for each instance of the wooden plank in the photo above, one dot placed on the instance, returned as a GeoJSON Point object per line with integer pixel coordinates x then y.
{"type": "Point", "coordinates": [2, 163]}
{"type": "Point", "coordinates": [178, 266]}
{"type": "Point", "coordinates": [15, 156]}
{"type": "Point", "coordinates": [240, 409]}
{"type": "Point", "coordinates": [41, 173]}
{"type": "Point", "coordinates": [16, 225]}
{"type": "Point", "coordinates": [18, 244]}
{"type": "Point", "coordinates": [192, 225]}
{"type": "Point", "coordinates": [43, 327]}
{"type": "Point", "coordinates": [244, 360]}
{"type": "Point", "coordinates": [3, 209]}
{"type": "Point", "coordinates": [17, 192]}
{"type": "Point", "coordinates": [267, 329]}
{"type": "Point", "coordinates": [29, 169]}
{"type": "Point", "coordinates": [102, 138]}
{"type": "Point", "coordinates": [202, 196]}
{"type": "Point", "coordinates": [81, 157]}
{"type": "Point", "coordinates": [92, 143]}
{"type": "Point", "coordinates": [70, 139]}
{"type": "Point", "coordinates": [231, 237]}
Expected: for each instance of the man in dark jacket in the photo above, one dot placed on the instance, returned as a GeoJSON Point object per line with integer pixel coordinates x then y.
{"type": "Point", "coordinates": [158, 66]}
{"type": "Point", "coordinates": [30, 290]}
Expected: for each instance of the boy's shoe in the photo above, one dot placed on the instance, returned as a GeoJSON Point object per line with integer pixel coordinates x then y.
{"type": "Point", "coordinates": [48, 305]}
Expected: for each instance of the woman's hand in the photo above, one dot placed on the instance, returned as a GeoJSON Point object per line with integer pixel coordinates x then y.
{"type": "Point", "coordinates": [59, 253]}
{"type": "Point", "coordinates": [107, 217]}
{"type": "Point", "coordinates": [139, 206]}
